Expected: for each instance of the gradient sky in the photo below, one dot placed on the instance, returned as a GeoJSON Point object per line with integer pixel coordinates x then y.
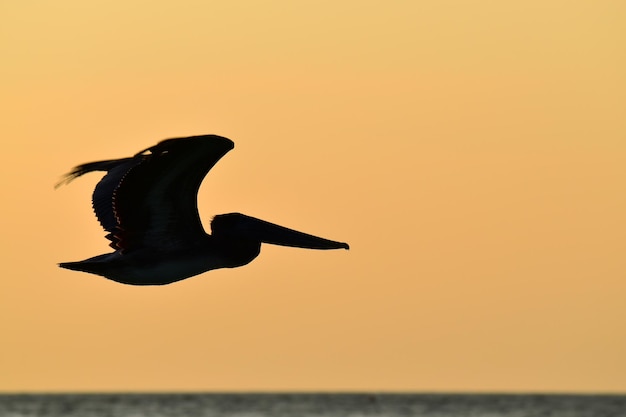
{"type": "Point", "coordinates": [473, 154]}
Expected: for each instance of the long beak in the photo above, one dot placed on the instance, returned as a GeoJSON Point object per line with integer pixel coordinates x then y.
{"type": "Point", "coordinates": [266, 232]}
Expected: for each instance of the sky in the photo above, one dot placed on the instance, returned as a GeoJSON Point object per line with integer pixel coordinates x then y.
{"type": "Point", "coordinates": [471, 153]}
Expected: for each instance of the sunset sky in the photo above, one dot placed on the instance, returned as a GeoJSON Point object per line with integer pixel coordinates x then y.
{"type": "Point", "coordinates": [473, 154]}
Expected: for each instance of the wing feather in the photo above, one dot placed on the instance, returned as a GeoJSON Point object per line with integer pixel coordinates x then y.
{"type": "Point", "coordinates": [103, 193]}
{"type": "Point", "coordinates": [155, 203]}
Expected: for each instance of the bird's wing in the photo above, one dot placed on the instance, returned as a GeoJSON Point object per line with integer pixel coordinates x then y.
{"type": "Point", "coordinates": [102, 198]}
{"type": "Point", "coordinates": [155, 203]}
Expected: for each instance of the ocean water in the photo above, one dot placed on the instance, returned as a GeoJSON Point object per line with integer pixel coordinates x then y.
{"type": "Point", "coordinates": [309, 405]}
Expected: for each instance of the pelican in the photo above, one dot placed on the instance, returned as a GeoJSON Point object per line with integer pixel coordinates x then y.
{"type": "Point", "coordinates": [148, 206]}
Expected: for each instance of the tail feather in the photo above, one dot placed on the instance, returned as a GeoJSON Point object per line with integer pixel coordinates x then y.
{"type": "Point", "coordinates": [98, 262]}
{"type": "Point", "coordinates": [74, 266]}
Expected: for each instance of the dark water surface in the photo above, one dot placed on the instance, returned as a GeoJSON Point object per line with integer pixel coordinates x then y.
{"type": "Point", "coordinates": [305, 405]}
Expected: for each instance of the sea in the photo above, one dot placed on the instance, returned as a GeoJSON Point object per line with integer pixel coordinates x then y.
{"type": "Point", "coordinates": [310, 405]}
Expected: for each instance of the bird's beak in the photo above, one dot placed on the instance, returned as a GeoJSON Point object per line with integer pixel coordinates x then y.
{"type": "Point", "coordinates": [274, 234]}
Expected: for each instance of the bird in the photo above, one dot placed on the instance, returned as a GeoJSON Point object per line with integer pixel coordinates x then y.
{"type": "Point", "coordinates": [148, 206]}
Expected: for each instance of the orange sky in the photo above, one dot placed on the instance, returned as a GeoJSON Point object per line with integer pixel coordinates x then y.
{"type": "Point", "coordinates": [471, 153]}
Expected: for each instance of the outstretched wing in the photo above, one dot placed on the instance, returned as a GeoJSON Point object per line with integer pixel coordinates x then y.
{"type": "Point", "coordinates": [155, 203]}
{"type": "Point", "coordinates": [102, 198]}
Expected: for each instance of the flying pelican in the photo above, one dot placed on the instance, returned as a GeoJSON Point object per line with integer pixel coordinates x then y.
{"type": "Point", "coordinates": [148, 205]}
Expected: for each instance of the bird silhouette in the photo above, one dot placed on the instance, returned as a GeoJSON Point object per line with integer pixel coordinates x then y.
{"type": "Point", "coordinates": [148, 205]}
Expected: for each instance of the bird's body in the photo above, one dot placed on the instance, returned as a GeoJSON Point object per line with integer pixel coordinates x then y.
{"type": "Point", "coordinates": [147, 204]}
